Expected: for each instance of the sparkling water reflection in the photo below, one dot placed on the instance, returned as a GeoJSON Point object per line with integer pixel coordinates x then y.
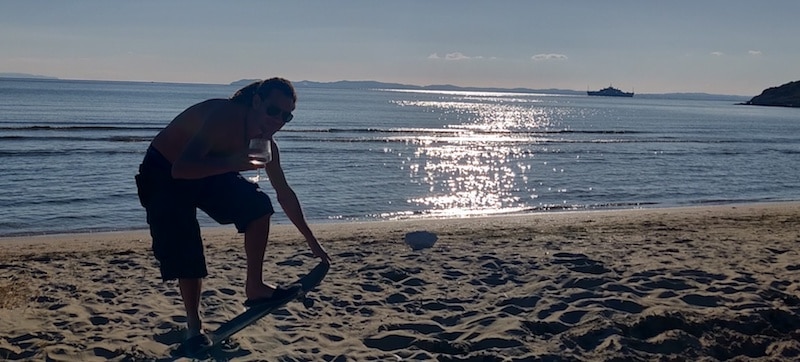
{"type": "Point", "coordinates": [484, 166]}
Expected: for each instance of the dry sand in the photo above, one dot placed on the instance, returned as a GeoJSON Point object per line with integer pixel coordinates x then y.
{"type": "Point", "coordinates": [710, 283]}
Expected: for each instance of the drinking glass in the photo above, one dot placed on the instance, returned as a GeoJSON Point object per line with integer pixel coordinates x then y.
{"type": "Point", "coordinates": [261, 150]}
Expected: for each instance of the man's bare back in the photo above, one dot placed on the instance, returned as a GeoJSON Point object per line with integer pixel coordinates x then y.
{"type": "Point", "coordinates": [228, 118]}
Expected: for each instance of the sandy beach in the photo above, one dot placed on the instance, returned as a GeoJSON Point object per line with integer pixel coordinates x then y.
{"type": "Point", "coordinates": [696, 284]}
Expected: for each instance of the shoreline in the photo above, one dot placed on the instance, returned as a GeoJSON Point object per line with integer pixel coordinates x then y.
{"type": "Point", "coordinates": [684, 283]}
{"type": "Point", "coordinates": [217, 230]}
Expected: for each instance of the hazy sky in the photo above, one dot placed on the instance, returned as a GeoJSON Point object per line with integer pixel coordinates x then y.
{"type": "Point", "coordinates": [723, 46]}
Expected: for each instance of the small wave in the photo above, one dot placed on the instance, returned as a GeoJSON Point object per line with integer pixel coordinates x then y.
{"type": "Point", "coordinates": [77, 138]}
{"type": "Point", "coordinates": [602, 206]}
{"type": "Point", "coordinates": [596, 131]}
{"type": "Point", "coordinates": [787, 152]}
{"type": "Point", "coordinates": [436, 136]}
{"type": "Point", "coordinates": [80, 128]}
{"type": "Point", "coordinates": [373, 130]}
{"type": "Point", "coordinates": [128, 139]}
{"type": "Point", "coordinates": [428, 140]}
{"type": "Point", "coordinates": [59, 153]}
{"type": "Point", "coordinates": [733, 201]}
{"type": "Point", "coordinates": [437, 214]}
{"type": "Point", "coordinates": [49, 201]}
{"type": "Point", "coordinates": [455, 130]}
{"type": "Point", "coordinates": [419, 131]}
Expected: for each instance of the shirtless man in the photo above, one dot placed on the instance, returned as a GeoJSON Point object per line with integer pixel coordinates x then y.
{"type": "Point", "coordinates": [194, 163]}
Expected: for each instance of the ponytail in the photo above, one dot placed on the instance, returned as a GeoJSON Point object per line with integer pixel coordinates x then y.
{"type": "Point", "coordinates": [264, 88]}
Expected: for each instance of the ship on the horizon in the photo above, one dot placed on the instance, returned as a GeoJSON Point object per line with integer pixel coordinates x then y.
{"type": "Point", "coordinates": [610, 91]}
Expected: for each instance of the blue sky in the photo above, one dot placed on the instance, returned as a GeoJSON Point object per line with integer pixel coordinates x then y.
{"type": "Point", "coordinates": [714, 46]}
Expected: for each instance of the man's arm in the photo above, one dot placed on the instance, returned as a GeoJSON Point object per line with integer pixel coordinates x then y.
{"type": "Point", "coordinates": [286, 196]}
{"type": "Point", "coordinates": [290, 204]}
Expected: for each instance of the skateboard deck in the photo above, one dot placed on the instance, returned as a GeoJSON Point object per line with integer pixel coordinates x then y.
{"type": "Point", "coordinates": [253, 314]}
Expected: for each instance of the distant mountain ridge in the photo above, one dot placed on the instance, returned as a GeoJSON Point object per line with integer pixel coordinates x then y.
{"type": "Point", "coordinates": [24, 76]}
{"type": "Point", "coordinates": [369, 84]}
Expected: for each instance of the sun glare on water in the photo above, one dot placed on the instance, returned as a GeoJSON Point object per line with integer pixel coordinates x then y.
{"type": "Point", "coordinates": [476, 169]}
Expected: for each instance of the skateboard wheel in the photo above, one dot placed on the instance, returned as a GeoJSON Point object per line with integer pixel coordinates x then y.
{"type": "Point", "coordinates": [308, 302]}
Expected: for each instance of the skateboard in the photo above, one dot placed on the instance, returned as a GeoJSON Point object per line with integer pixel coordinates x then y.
{"type": "Point", "coordinates": [254, 313]}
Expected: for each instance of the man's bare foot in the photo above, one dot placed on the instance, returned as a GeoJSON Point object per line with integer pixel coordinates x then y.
{"type": "Point", "coordinates": [193, 326]}
{"type": "Point", "coordinates": [259, 291]}
{"type": "Point", "coordinates": [192, 332]}
{"type": "Point", "coordinates": [278, 294]}
{"type": "Point", "coordinates": [195, 341]}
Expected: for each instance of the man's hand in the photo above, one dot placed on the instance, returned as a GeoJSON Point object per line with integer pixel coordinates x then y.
{"type": "Point", "coordinates": [245, 162]}
{"type": "Point", "coordinates": [318, 250]}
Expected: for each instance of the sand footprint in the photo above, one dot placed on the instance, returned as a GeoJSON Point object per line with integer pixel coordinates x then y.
{"type": "Point", "coordinates": [588, 283]}
{"type": "Point", "coordinates": [518, 305]}
{"type": "Point", "coordinates": [169, 334]}
{"type": "Point", "coordinates": [699, 300]}
{"type": "Point", "coordinates": [543, 329]}
{"type": "Point", "coordinates": [404, 340]}
{"type": "Point", "coordinates": [580, 263]}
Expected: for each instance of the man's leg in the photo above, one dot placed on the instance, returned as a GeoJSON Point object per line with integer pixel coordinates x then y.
{"type": "Point", "coordinates": [255, 244]}
{"type": "Point", "coordinates": [190, 292]}
{"type": "Point", "coordinates": [236, 200]}
{"type": "Point", "coordinates": [178, 246]}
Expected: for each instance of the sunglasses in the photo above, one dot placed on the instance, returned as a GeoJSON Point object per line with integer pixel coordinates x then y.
{"type": "Point", "coordinates": [274, 111]}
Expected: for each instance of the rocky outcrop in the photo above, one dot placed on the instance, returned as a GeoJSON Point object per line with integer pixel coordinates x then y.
{"type": "Point", "coordinates": [787, 95]}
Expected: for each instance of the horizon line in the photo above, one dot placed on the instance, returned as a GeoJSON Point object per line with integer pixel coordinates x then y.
{"type": "Point", "coordinates": [27, 76]}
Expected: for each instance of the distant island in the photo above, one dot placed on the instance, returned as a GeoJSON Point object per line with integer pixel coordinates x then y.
{"type": "Point", "coordinates": [244, 82]}
{"type": "Point", "coordinates": [24, 76]}
{"type": "Point", "coordinates": [368, 84]}
{"type": "Point", "coordinates": [787, 95]}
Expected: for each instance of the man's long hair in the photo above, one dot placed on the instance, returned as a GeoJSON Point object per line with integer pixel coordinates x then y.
{"type": "Point", "coordinates": [264, 88]}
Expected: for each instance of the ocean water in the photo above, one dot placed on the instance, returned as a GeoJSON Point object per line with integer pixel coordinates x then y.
{"type": "Point", "coordinates": [69, 151]}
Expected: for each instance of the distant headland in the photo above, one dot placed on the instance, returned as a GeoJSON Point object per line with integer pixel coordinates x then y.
{"type": "Point", "coordinates": [24, 76]}
{"type": "Point", "coordinates": [368, 84]}
{"type": "Point", "coordinates": [787, 95]}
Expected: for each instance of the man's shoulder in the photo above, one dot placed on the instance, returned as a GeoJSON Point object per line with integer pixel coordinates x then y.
{"type": "Point", "coordinates": [219, 109]}
{"type": "Point", "coordinates": [216, 103]}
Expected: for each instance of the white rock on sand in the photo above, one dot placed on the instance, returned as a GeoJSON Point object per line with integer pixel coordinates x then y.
{"type": "Point", "coordinates": [419, 240]}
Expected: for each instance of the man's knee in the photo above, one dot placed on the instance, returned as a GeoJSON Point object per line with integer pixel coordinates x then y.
{"type": "Point", "coordinates": [259, 223]}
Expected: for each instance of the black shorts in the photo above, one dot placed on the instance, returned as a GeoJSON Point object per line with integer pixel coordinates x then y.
{"type": "Point", "coordinates": [172, 204]}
